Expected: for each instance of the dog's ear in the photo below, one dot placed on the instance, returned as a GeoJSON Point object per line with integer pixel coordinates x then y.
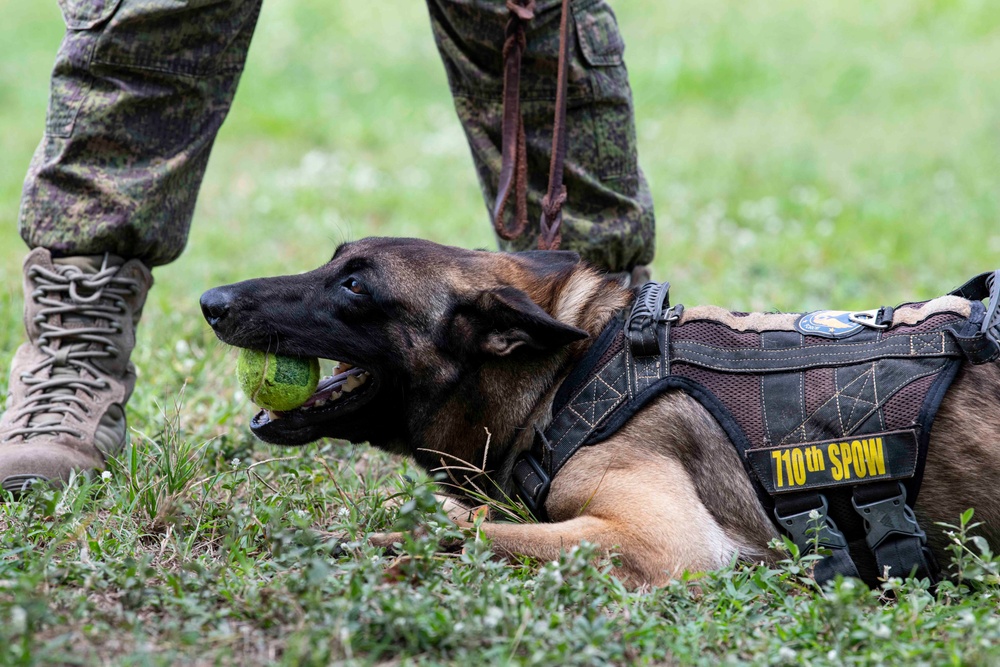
{"type": "Point", "coordinates": [500, 321]}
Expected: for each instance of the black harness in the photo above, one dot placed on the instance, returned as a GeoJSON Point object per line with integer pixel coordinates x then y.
{"type": "Point", "coordinates": [831, 416]}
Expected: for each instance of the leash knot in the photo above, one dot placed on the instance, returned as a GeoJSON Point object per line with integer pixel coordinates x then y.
{"type": "Point", "coordinates": [552, 208]}
{"type": "Point", "coordinates": [550, 236]}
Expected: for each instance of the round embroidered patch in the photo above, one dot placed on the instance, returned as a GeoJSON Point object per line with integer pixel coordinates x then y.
{"type": "Point", "coordinates": [829, 323]}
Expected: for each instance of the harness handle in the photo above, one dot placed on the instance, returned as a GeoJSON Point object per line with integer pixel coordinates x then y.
{"type": "Point", "coordinates": [652, 306]}
{"type": "Point", "coordinates": [991, 323]}
{"type": "Point", "coordinates": [982, 345]}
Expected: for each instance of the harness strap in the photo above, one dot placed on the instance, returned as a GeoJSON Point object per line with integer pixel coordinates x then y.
{"type": "Point", "coordinates": [649, 308]}
{"type": "Point", "coordinates": [754, 361]}
{"type": "Point", "coordinates": [530, 477]}
{"type": "Point", "coordinates": [633, 369]}
{"type": "Point", "coordinates": [647, 337]}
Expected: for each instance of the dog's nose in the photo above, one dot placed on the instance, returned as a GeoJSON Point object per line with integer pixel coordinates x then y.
{"type": "Point", "coordinates": [215, 305]}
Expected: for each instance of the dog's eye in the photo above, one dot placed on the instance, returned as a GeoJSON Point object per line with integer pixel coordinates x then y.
{"type": "Point", "coordinates": [355, 286]}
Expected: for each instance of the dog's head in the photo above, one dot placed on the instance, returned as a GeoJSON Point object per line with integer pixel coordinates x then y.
{"type": "Point", "coordinates": [434, 337]}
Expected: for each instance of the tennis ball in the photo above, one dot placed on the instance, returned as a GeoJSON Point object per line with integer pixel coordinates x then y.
{"type": "Point", "coordinates": [274, 381]}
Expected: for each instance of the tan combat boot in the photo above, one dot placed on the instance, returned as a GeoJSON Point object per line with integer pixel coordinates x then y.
{"type": "Point", "coordinates": [70, 381]}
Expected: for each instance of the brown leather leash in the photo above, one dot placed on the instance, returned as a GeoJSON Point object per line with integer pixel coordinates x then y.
{"type": "Point", "coordinates": [514, 152]}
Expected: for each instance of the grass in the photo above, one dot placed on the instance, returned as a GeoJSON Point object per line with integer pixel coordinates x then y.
{"type": "Point", "coordinates": [801, 155]}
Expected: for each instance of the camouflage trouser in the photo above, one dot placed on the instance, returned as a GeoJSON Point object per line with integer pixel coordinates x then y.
{"type": "Point", "coordinates": [141, 87]}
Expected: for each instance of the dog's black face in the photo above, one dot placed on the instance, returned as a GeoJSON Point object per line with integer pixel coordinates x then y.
{"type": "Point", "coordinates": [414, 323]}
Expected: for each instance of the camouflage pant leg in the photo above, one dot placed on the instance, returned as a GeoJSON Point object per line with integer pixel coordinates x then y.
{"type": "Point", "coordinates": [608, 218]}
{"type": "Point", "coordinates": [139, 90]}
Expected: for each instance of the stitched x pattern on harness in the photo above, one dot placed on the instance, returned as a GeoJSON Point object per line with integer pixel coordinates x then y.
{"type": "Point", "coordinates": [858, 402]}
{"type": "Point", "coordinates": [598, 399]}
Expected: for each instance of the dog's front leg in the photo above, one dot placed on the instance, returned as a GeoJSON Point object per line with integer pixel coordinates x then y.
{"type": "Point", "coordinates": [641, 507]}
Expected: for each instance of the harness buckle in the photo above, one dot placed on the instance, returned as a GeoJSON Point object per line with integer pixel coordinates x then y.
{"type": "Point", "coordinates": [873, 319]}
{"type": "Point", "coordinates": [889, 517]}
{"type": "Point", "coordinates": [530, 478]}
{"type": "Point", "coordinates": [800, 525]}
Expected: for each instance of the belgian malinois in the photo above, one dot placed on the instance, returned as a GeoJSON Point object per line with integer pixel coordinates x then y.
{"type": "Point", "coordinates": [438, 346]}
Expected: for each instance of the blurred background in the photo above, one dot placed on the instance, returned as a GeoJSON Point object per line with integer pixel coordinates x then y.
{"type": "Point", "coordinates": [801, 154]}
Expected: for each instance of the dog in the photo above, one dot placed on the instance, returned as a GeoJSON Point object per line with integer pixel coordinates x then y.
{"type": "Point", "coordinates": [457, 355]}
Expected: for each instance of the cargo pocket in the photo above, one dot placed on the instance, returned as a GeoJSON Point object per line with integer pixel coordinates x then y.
{"type": "Point", "coordinates": [597, 31]}
{"type": "Point", "coordinates": [609, 109]}
{"type": "Point", "coordinates": [86, 14]}
{"type": "Point", "coordinates": [196, 38]}
{"type": "Point", "coordinates": [70, 86]}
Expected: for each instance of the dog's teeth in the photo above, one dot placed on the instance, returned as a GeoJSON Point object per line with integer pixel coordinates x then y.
{"type": "Point", "coordinates": [352, 383]}
{"type": "Point", "coordinates": [341, 367]}
{"type": "Point", "coordinates": [272, 415]}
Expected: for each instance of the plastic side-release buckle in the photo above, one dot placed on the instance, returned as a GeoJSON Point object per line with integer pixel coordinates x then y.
{"type": "Point", "coordinates": [800, 527]}
{"type": "Point", "coordinates": [532, 481]}
{"type": "Point", "coordinates": [890, 516]}
{"type": "Point", "coordinates": [895, 537]}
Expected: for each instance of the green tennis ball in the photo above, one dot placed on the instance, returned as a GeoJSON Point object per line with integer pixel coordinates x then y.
{"type": "Point", "coordinates": [276, 382]}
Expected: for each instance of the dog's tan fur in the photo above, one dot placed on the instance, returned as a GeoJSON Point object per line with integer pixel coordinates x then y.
{"type": "Point", "coordinates": [667, 492]}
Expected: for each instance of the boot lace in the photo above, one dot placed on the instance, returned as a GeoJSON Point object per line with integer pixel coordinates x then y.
{"type": "Point", "coordinates": [59, 386]}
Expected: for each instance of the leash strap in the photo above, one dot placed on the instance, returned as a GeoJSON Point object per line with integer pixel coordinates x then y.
{"type": "Point", "coordinates": [552, 203]}
{"type": "Point", "coordinates": [513, 151]}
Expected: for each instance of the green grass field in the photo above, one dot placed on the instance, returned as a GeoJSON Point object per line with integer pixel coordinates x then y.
{"type": "Point", "coordinates": [801, 155]}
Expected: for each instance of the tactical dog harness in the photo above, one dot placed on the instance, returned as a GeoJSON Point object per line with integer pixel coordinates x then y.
{"type": "Point", "coordinates": [830, 411]}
